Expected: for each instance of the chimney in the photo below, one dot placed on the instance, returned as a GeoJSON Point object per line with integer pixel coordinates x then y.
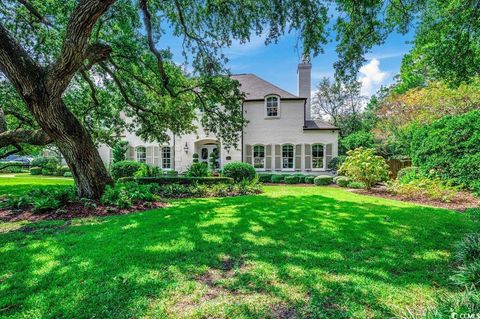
{"type": "Point", "coordinates": [304, 72]}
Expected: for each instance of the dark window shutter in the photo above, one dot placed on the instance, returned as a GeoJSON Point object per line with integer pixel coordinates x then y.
{"type": "Point", "coordinates": [156, 156]}
{"type": "Point", "coordinates": [298, 157]}
{"type": "Point", "coordinates": [278, 157]}
{"type": "Point", "coordinates": [248, 154]}
{"type": "Point", "coordinates": [328, 154]}
{"type": "Point", "coordinates": [268, 157]}
{"type": "Point", "coordinates": [308, 157]}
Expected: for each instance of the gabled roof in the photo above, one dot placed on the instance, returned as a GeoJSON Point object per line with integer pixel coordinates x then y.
{"type": "Point", "coordinates": [318, 125]}
{"type": "Point", "coordinates": [256, 88]}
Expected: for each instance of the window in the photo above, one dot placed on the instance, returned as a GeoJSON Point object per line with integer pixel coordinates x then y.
{"type": "Point", "coordinates": [204, 154]}
{"type": "Point", "coordinates": [141, 154]}
{"type": "Point", "coordinates": [287, 156]}
{"type": "Point", "coordinates": [272, 105]}
{"type": "Point", "coordinates": [259, 156]}
{"type": "Point", "coordinates": [166, 157]}
{"type": "Point", "coordinates": [317, 156]}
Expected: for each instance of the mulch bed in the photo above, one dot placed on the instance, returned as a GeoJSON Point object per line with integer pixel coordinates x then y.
{"type": "Point", "coordinates": [462, 201]}
{"type": "Point", "coordinates": [74, 210]}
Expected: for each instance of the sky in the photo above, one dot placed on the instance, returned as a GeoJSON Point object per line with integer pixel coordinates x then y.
{"type": "Point", "coordinates": [277, 63]}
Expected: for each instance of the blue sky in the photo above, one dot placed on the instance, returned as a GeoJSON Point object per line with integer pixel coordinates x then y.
{"type": "Point", "coordinates": [277, 63]}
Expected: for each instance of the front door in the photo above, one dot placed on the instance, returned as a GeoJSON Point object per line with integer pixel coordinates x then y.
{"type": "Point", "coordinates": [205, 154]}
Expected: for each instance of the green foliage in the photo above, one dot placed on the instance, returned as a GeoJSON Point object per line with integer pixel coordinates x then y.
{"type": "Point", "coordinates": [48, 163]}
{"type": "Point", "coordinates": [310, 179]}
{"type": "Point", "coordinates": [277, 178]}
{"type": "Point", "coordinates": [198, 169]}
{"type": "Point", "coordinates": [336, 162]}
{"type": "Point", "coordinates": [467, 255]}
{"type": "Point", "coordinates": [11, 167]}
{"type": "Point", "coordinates": [47, 172]}
{"type": "Point", "coordinates": [126, 169]}
{"type": "Point", "coordinates": [362, 165]}
{"type": "Point", "coordinates": [36, 171]}
{"type": "Point", "coordinates": [265, 178]}
{"type": "Point", "coordinates": [342, 181]}
{"type": "Point", "coordinates": [67, 174]}
{"type": "Point", "coordinates": [239, 171]}
{"type": "Point", "coordinates": [450, 149]}
{"type": "Point", "coordinates": [212, 160]}
{"type": "Point", "coordinates": [45, 204]}
{"type": "Point", "coordinates": [292, 179]}
{"type": "Point", "coordinates": [124, 195]}
{"type": "Point", "coordinates": [184, 180]}
{"type": "Point", "coordinates": [301, 177]}
{"type": "Point", "coordinates": [172, 173]}
{"type": "Point", "coordinates": [408, 174]}
{"type": "Point", "coordinates": [356, 140]}
{"type": "Point", "coordinates": [195, 158]}
{"type": "Point", "coordinates": [356, 185]}
{"type": "Point", "coordinates": [430, 188]}
{"type": "Point", "coordinates": [323, 180]}
{"type": "Point", "coordinates": [119, 150]}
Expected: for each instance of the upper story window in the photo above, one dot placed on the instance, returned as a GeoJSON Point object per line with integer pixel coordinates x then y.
{"type": "Point", "coordinates": [141, 152]}
{"type": "Point", "coordinates": [259, 156]}
{"type": "Point", "coordinates": [288, 156]}
{"type": "Point", "coordinates": [166, 157]}
{"type": "Point", "coordinates": [317, 156]}
{"type": "Point", "coordinates": [272, 105]}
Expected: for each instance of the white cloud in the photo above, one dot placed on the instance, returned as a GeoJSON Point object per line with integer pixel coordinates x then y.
{"type": "Point", "coordinates": [371, 77]}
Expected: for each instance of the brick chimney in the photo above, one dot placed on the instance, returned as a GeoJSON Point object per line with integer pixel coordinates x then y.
{"type": "Point", "coordinates": [304, 72]}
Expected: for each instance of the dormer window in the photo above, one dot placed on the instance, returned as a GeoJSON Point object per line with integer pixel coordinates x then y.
{"type": "Point", "coordinates": [272, 106]}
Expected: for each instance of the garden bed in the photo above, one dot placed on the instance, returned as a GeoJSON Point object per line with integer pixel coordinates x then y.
{"type": "Point", "coordinates": [75, 210]}
{"type": "Point", "coordinates": [462, 200]}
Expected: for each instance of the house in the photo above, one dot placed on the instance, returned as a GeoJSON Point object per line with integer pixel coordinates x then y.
{"type": "Point", "coordinates": [280, 135]}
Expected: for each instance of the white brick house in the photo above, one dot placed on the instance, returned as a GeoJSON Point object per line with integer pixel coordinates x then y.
{"type": "Point", "coordinates": [280, 135]}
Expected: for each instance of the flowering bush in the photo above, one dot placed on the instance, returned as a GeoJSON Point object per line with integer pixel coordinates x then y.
{"type": "Point", "coordinates": [362, 165]}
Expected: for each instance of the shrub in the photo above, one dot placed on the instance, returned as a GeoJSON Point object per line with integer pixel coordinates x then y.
{"type": "Point", "coordinates": [36, 171]}
{"type": "Point", "coordinates": [45, 204]}
{"type": "Point", "coordinates": [301, 178]}
{"type": "Point", "coordinates": [49, 163]}
{"type": "Point", "coordinates": [277, 178]}
{"type": "Point", "coordinates": [171, 173]}
{"type": "Point", "coordinates": [119, 150]}
{"type": "Point", "coordinates": [357, 185]}
{"type": "Point", "coordinates": [450, 149]}
{"type": "Point", "coordinates": [362, 165]}
{"type": "Point", "coordinates": [265, 178]}
{"type": "Point", "coordinates": [16, 202]}
{"type": "Point", "coordinates": [46, 172]}
{"type": "Point", "coordinates": [468, 275]}
{"type": "Point", "coordinates": [474, 213]}
{"type": "Point", "coordinates": [198, 169]}
{"type": "Point", "coordinates": [468, 250]}
{"type": "Point", "coordinates": [67, 174]}
{"type": "Point", "coordinates": [11, 167]}
{"type": "Point", "coordinates": [61, 170]}
{"type": "Point", "coordinates": [123, 195]}
{"type": "Point", "coordinates": [246, 187]}
{"type": "Point", "coordinates": [310, 179]}
{"type": "Point", "coordinates": [336, 162]}
{"type": "Point", "coordinates": [126, 169]}
{"type": "Point", "coordinates": [195, 158]}
{"type": "Point", "coordinates": [358, 139]}
{"type": "Point", "coordinates": [430, 188]}
{"type": "Point", "coordinates": [323, 180]}
{"type": "Point", "coordinates": [342, 181]}
{"type": "Point", "coordinates": [239, 171]}
{"type": "Point", "coordinates": [183, 180]}
{"type": "Point", "coordinates": [292, 179]}
{"type": "Point", "coordinates": [408, 174]}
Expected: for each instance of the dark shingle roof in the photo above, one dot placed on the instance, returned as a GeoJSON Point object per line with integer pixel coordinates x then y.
{"type": "Point", "coordinates": [256, 88]}
{"type": "Point", "coordinates": [318, 125]}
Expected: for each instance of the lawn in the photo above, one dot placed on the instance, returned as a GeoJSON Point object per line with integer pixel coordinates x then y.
{"type": "Point", "coordinates": [292, 252]}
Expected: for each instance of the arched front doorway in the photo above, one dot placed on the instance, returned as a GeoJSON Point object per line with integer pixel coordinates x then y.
{"type": "Point", "coordinates": [205, 148]}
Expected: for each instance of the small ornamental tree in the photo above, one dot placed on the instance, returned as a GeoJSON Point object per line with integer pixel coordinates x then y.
{"type": "Point", "coordinates": [363, 165]}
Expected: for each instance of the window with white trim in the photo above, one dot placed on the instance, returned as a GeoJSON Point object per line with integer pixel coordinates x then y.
{"type": "Point", "coordinates": [141, 154]}
{"type": "Point", "coordinates": [318, 155]}
{"type": "Point", "coordinates": [288, 156]}
{"type": "Point", "coordinates": [259, 156]}
{"type": "Point", "coordinates": [272, 104]}
{"type": "Point", "coordinates": [166, 157]}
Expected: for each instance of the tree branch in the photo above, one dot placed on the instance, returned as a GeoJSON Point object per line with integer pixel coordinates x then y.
{"type": "Point", "coordinates": [34, 12]}
{"type": "Point", "coordinates": [74, 49]}
{"type": "Point", "coordinates": [32, 137]}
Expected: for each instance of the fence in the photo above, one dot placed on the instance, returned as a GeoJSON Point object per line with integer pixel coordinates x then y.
{"type": "Point", "coordinates": [397, 164]}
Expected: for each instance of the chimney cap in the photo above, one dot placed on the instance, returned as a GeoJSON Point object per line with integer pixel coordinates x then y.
{"type": "Point", "coordinates": [306, 59]}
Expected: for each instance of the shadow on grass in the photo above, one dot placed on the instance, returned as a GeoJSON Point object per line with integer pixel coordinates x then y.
{"type": "Point", "coordinates": [300, 254]}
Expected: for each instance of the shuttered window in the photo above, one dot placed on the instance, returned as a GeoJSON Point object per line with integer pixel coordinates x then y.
{"type": "Point", "coordinates": [259, 156]}
{"type": "Point", "coordinates": [141, 154]}
{"type": "Point", "coordinates": [288, 156]}
{"type": "Point", "coordinates": [317, 156]}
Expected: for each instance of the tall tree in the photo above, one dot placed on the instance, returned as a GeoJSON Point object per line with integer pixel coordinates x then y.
{"type": "Point", "coordinates": [77, 65]}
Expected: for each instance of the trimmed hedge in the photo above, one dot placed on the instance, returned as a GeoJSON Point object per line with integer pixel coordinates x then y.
{"type": "Point", "coordinates": [239, 171]}
{"type": "Point", "coordinates": [323, 180]}
{"type": "Point", "coordinates": [36, 171]}
{"type": "Point", "coordinates": [46, 172]}
{"type": "Point", "coordinates": [67, 174]}
{"type": "Point", "coordinates": [265, 178]}
{"type": "Point", "coordinates": [309, 179]}
{"type": "Point", "coordinates": [357, 185]}
{"type": "Point", "coordinates": [125, 169]}
{"type": "Point", "coordinates": [342, 181]}
{"type": "Point", "coordinates": [276, 178]}
{"type": "Point", "coordinates": [301, 177]}
{"type": "Point", "coordinates": [183, 180]}
{"type": "Point", "coordinates": [292, 179]}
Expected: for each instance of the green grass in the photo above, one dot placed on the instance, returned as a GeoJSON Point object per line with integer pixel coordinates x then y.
{"type": "Point", "coordinates": [21, 183]}
{"type": "Point", "coordinates": [293, 252]}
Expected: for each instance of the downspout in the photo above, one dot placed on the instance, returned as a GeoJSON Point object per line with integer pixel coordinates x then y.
{"type": "Point", "coordinates": [174, 153]}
